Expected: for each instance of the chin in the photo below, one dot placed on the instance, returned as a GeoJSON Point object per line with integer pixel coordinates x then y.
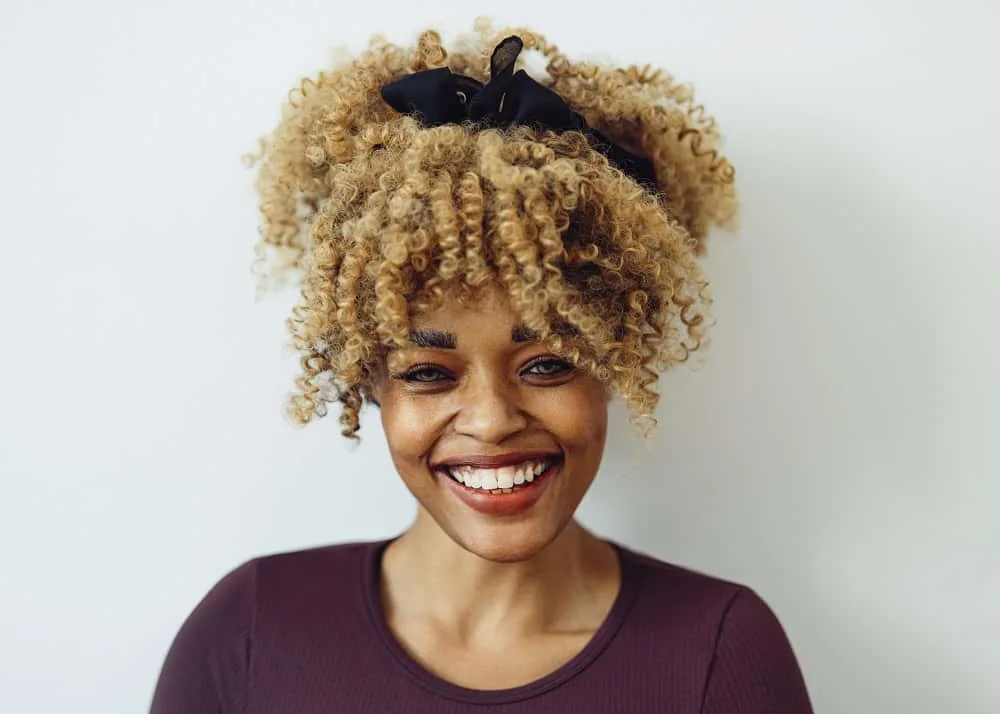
{"type": "Point", "coordinates": [503, 543]}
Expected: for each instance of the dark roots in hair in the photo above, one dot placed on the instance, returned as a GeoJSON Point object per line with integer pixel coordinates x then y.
{"type": "Point", "coordinates": [381, 217]}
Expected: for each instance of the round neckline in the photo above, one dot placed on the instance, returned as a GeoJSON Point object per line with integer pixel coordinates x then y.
{"type": "Point", "coordinates": [371, 577]}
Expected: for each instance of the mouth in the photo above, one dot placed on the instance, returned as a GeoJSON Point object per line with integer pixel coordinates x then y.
{"type": "Point", "coordinates": [503, 490]}
{"type": "Point", "coordinates": [501, 479]}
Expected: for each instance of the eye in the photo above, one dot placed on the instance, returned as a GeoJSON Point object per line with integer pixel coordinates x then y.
{"type": "Point", "coordinates": [549, 367]}
{"type": "Point", "coordinates": [423, 374]}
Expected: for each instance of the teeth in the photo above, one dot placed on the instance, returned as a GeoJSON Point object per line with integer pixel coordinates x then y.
{"type": "Point", "coordinates": [502, 479]}
{"type": "Point", "coordinates": [525, 470]}
{"type": "Point", "coordinates": [505, 477]}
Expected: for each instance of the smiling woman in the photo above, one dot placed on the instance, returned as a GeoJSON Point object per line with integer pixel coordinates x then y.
{"type": "Point", "coordinates": [487, 259]}
{"type": "Point", "coordinates": [496, 436]}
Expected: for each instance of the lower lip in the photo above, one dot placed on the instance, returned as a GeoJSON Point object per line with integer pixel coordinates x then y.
{"type": "Point", "coordinates": [502, 504]}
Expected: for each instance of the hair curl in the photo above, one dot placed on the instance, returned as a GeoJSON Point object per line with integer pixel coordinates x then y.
{"type": "Point", "coordinates": [380, 217]}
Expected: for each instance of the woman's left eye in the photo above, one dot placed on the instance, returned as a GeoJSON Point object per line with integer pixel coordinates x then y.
{"type": "Point", "coordinates": [549, 368]}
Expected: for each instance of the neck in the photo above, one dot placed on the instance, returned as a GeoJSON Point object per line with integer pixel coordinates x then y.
{"type": "Point", "coordinates": [567, 586]}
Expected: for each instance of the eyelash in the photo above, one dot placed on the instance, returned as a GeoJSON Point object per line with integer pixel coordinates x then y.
{"type": "Point", "coordinates": [410, 375]}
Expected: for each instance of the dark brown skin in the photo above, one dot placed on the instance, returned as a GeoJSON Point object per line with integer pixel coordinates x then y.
{"type": "Point", "coordinates": [487, 601]}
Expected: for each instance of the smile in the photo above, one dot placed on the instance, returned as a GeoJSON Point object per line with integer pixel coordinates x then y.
{"type": "Point", "coordinates": [503, 479]}
{"type": "Point", "coordinates": [508, 490]}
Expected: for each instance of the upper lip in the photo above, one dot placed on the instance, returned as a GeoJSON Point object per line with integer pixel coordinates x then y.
{"type": "Point", "coordinates": [496, 460]}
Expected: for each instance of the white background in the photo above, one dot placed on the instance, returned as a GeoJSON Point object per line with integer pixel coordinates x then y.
{"type": "Point", "coordinates": [837, 450]}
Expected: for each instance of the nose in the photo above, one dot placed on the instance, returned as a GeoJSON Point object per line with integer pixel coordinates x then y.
{"type": "Point", "coordinates": [490, 410]}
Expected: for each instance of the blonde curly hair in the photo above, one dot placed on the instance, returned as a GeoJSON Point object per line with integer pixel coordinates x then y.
{"type": "Point", "coordinates": [381, 217]}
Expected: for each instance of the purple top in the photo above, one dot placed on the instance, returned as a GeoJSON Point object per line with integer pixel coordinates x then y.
{"type": "Point", "coordinates": [303, 633]}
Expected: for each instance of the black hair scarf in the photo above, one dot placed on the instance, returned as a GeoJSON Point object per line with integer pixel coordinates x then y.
{"type": "Point", "coordinates": [438, 96]}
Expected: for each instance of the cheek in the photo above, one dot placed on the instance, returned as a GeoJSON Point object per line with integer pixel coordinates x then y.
{"type": "Point", "coordinates": [409, 427]}
{"type": "Point", "coordinates": [579, 417]}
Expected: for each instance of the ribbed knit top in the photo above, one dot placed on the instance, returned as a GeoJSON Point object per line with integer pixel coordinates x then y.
{"type": "Point", "coordinates": [304, 633]}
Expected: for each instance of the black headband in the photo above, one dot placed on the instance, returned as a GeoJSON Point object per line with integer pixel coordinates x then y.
{"type": "Point", "coordinates": [438, 96]}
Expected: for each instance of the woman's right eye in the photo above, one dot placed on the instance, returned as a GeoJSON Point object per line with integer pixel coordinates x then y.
{"type": "Point", "coordinates": [424, 374]}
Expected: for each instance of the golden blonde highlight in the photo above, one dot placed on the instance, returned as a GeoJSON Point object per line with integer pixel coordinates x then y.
{"type": "Point", "coordinates": [382, 217]}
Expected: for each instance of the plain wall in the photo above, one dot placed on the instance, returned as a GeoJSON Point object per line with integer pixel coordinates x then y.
{"type": "Point", "coordinates": [835, 448]}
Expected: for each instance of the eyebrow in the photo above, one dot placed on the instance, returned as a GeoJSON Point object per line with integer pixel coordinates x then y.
{"type": "Point", "coordinates": [442, 340]}
{"type": "Point", "coordinates": [438, 339]}
{"type": "Point", "coordinates": [520, 333]}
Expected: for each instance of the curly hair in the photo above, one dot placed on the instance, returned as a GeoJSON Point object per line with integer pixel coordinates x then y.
{"type": "Point", "coordinates": [380, 218]}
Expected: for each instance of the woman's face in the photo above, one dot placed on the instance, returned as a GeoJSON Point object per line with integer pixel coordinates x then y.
{"type": "Point", "coordinates": [496, 437]}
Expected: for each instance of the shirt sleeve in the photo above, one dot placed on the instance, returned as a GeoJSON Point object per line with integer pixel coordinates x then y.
{"type": "Point", "coordinates": [754, 670]}
{"type": "Point", "coordinates": [206, 667]}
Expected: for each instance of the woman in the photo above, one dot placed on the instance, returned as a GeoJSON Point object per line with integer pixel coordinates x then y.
{"type": "Point", "coordinates": [487, 259]}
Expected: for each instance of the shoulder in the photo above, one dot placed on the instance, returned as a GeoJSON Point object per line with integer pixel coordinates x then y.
{"type": "Point", "coordinates": [208, 663]}
{"type": "Point", "coordinates": [728, 635]}
{"type": "Point", "coordinates": [240, 588]}
{"type": "Point", "coordinates": [674, 594]}
{"type": "Point", "coordinates": [233, 600]}
{"type": "Point", "coordinates": [306, 562]}
{"type": "Point", "coordinates": [309, 581]}
{"type": "Point", "coordinates": [754, 666]}
{"type": "Point", "coordinates": [717, 605]}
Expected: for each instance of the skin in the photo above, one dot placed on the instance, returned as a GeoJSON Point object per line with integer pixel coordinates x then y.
{"type": "Point", "coordinates": [486, 601]}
